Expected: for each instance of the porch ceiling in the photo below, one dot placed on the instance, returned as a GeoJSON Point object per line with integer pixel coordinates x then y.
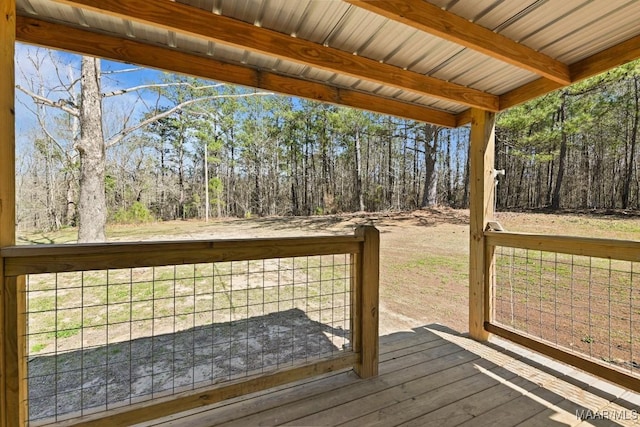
{"type": "Point", "coordinates": [428, 61]}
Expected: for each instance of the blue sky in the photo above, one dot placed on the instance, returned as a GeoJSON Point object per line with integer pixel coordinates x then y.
{"type": "Point", "coordinates": [38, 68]}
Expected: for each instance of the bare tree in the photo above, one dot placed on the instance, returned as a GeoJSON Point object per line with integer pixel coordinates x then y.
{"type": "Point", "coordinates": [90, 141]}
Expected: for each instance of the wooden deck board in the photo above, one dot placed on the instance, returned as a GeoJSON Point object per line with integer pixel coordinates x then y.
{"type": "Point", "coordinates": [468, 405]}
{"type": "Point", "coordinates": [401, 399]}
{"type": "Point", "coordinates": [411, 347]}
{"type": "Point", "coordinates": [447, 355]}
{"type": "Point", "coordinates": [429, 377]}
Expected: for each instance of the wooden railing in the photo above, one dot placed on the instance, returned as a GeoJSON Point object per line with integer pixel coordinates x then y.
{"type": "Point", "coordinates": [575, 299]}
{"type": "Point", "coordinates": [362, 252]}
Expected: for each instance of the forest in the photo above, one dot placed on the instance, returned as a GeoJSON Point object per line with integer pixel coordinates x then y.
{"type": "Point", "coordinates": [183, 148]}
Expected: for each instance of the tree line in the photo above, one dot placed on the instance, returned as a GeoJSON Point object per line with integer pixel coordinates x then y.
{"type": "Point", "coordinates": [185, 148]}
{"type": "Point", "coordinates": [574, 148]}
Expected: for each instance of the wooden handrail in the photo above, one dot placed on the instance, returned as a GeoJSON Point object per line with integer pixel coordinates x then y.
{"type": "Point", "coordinates": [548, 349]}
{"type": "Point", "coordinates": [20, 260]}
{"type": "Point", "coordinates": [363, 246]}
{"type": "Point", "coordinates": [624, 250]}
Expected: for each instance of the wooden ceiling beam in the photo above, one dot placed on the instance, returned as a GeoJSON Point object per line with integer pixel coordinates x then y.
{"type": "Point", "coordinates": [601, 62]}
{"type": "Point", "coordinates": [431, 19]}
{"type": "Point", "coordinates": [620, 54]}
{"type": "Point", "coordinates": [192, 21]}
{"type": "Point", "coordinates": [59, 36]}
{"type": "Point", "coordinates": [615, 56]}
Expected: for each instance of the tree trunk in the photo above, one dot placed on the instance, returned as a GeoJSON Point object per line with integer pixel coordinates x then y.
{"type": "Point", "coordinates": [555, 202]}
{"type": "Point", "coordinates": [430, 195]}
{"type": "Point", "coordinates": [630, 160]}
{"type": "Point", "coordinates": [447, 171]}
{"type": "Point", "coordinates": [295, 183]}
{"type": "Point", "coordinates": [206, 183]}
{"type": "Point", "coordinates": [92, 203]}
{"type": "Point", "coordinates": [520, 188]}
{"type": "Point", "coordinates": [390, 177]}
{"type": "Point", "coordinates": [181, 178]}
{"type": "Point", "coordinates": [403, 197]}
{"type": "Point", "coordinates": [587, 175]}
{"type": "Point", "coordinates": [465, 191]}
{"type": "Point", "coordinates": [70, 212]}
{"type": "Point", "coordinates": [358, 158]}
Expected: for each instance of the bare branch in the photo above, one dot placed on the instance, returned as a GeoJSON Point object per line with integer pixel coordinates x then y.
{"type": "Point", "coordinates": [48, 134]}
{"type": "Point", "coordinates": [125, 70]}
{"type": "Point", "coordinates": [62, 104]}
{"type": "Point", "coordinates": [125, 132]}
{"type": "Point", "coordinates": [55, 141]}
{"type": "Point", "coordinates": [158, 85]}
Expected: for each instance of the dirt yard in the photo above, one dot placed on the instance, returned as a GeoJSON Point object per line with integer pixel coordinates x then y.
{"type": "Point", "coordinates": [424, 254]}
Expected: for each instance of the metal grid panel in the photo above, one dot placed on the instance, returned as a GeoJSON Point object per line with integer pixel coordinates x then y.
{"type": "Point", "coordinates": [103, 339]}
{"type": "Point", "coordinates": [584, 305]}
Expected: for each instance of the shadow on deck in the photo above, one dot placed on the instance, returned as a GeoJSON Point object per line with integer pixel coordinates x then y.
{"type": "Point", "coordinates": [434, 376]}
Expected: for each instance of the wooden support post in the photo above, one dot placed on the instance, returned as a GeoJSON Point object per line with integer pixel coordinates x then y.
{"type": "Point", "coordinates": [14, 322]}
{"type": "Point", "coordinates": [481, 206]}
{"type": "Point", "coordinates": [367, 295]}
{"type": "Point", "coordinates": [9, 379]}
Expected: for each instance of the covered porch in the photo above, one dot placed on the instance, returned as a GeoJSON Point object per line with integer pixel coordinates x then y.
{"type": "Point", "coordinates": [521, 286]}
{"type": "Point", "coordinates": [434, 376]}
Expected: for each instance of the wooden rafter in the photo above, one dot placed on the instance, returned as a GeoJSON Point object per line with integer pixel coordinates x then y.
{"type": "Point", "coordinates": [446, 25]}
{"type": "Point", "coordinates": [30, 30]}
{"type": "Point", "coordinates": [615, 56]}
{"type": "Point", "coordinates": [620, 54]}
{"type": "Point", "coordinates": [183, 19]}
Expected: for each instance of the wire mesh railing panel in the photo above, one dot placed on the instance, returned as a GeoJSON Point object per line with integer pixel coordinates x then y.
{"type": "Point", "coordinates": [98, 340]}
{"type": "Point", "coordinates": [584, 305]}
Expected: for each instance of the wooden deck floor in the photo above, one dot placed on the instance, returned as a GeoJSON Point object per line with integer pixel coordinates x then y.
{"type": "Point", "coordinates": [433, 376]}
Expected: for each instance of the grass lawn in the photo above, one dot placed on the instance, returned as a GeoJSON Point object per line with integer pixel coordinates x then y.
{"type": "Point", "coordinates": [424, 255]}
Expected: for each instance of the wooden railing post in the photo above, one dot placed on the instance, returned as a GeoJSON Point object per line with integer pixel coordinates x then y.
{"type": "Point", "coordinates": [481, 202]}
{"type": "Point", "coordinates": [367, 295]}
{"type": "Point", "coordinates": [14, 322]}
{"type": "Point", "coordinates": [9, 380]}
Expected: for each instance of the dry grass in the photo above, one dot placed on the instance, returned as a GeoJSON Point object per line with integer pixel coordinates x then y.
{"type": "Point", "coordinates": [424, 254]}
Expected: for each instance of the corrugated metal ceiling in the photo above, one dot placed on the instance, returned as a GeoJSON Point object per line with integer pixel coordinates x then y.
{"type": "Point", "coordinates": [567, 30]}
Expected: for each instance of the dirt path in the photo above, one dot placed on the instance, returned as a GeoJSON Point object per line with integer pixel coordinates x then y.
{"type": "Point", "coordinates": [424, 253]}
{"type": "Point", "coordinates": [423, 257]}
